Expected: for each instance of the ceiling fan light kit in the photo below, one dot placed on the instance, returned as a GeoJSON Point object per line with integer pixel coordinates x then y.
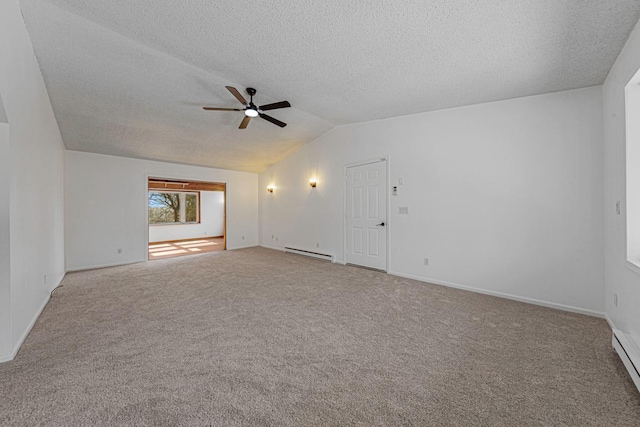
{"type": "Point", "coordinates": [250, 109]}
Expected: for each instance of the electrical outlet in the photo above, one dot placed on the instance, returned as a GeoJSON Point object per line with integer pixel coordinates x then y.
{"type": "Point", "coordinates": [400, 181]}
{"type": "Point", "coordinates": [618, 207]}
{"type": "Point", "coordinates": [426, 262]}
{"type": "Point", "coordinates": [242, 237]}
{"type": "Point", "coordinates": [45, 279]}
{"type": "Point", "coordinates": [615, 299]}
{"type": "Point", "coordinates": [119, 251]}
{"type": "Point", "coordinates": [317, 245]}
{"type": "Point", "coordinates": [272, 237]}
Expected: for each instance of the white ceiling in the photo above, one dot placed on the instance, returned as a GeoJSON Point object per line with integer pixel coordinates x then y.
{"type": "Point", "coordinates": [128, 77]}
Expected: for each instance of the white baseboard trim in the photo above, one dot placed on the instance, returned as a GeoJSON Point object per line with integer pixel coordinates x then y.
{"type": "Point", "coordinates": [95, 267]}
{"type": "Point", "coordinates": [629, 354]}
{"type": "Point", "coordinates": [312, 254]}
{"type": "Point", "coordinates": [335, 260]}
{"type": "Point", "coordinates": [628, 351]}
{"type": "Point", "coordinates": [16, 348]}
{"type": "Point", "coordinates": [504, 295]}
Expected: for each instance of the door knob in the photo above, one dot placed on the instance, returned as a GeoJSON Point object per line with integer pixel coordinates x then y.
{"type": "Point", "coordinates": [380, 225]}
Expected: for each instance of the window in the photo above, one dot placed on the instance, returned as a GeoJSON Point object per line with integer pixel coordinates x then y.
{"type": "Point", "coordinates": [174, 207]}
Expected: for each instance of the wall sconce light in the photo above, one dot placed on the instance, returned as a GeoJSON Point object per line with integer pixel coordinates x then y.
{"type": "Point", "coordinates": [270, 188]}
{"type": "Point", "coordinates": [313, 182]}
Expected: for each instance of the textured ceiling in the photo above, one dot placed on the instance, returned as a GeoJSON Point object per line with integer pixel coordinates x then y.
{"type": "Point", "coordinates": [126, 77]}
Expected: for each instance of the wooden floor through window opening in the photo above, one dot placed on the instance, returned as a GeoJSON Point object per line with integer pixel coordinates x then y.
{"type": "Point", "coordinates": [177, 248]}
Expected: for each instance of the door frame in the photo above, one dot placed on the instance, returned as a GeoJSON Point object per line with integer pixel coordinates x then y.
{"type": "Point", "coordinates": [387, 160]}
{"type": "Point", "coordinates": [181, 178]}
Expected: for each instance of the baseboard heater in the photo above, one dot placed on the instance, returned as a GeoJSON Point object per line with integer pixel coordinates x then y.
{"type": "Point", "coordinates": [317, 255]}
{"type": "Point", "coordinates": [628, 354]}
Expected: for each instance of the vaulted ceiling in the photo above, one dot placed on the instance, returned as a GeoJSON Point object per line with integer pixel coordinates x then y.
{"type": "Point", "coordinates": [129, 78]}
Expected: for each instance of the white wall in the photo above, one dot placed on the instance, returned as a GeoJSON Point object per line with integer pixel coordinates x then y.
{"type": "Point", "coordinates": [94, 233]}
{"type": "Point", "coordinates": [503, 197]}
{"type": "Point", "coordinates": [6, 344]}
{"type": "Point", "coordinates": [3, 113]}
{"type": "Point", "coordinates": [36, 158]}
{"type": "Point", "coordinates": [618, 278]}
{"type": "Point", "coordinates": [632, 163]}
{"type": "Point", "coordinates": [211, 221]}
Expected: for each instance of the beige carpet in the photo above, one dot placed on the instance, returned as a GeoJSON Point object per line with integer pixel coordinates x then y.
{"type": "Point", "coordinates": [258, 337]}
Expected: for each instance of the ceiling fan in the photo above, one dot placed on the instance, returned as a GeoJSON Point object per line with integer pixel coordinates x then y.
{"type": "Point", "coordinates": [250, 109]}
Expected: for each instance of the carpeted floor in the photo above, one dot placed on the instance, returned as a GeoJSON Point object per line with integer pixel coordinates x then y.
{"type": "Point", "coordinates": [258, 337]}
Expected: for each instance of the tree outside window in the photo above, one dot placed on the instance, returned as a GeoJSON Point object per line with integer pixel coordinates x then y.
{"type": "Point", "coordinates": [173, 207]}
{"type": "Point", "coordinates": [191, 207]}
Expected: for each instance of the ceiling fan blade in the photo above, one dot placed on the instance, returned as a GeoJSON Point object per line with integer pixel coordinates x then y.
{"type": "Point", "coordinates": [245, 122]}
{"type": "Point", "coordinates": [221, 109]}
{"type": "Point", "coordinates": [275, 105]}
{"type": "Point", "coordinates": [272, 120]}
{"type": "Point", "coordinates": [237, 94]}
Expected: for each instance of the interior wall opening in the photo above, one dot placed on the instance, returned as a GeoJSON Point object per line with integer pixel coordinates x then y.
{"type": "Point", "coordinates": [185, 217]}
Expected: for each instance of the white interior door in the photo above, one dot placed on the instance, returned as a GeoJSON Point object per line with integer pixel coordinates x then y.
{"type": "Point", "coordinates": [366, 215]}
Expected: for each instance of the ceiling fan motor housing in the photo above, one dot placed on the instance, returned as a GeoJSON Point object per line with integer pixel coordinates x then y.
{"type": "Point", "coordinates": [250, 109]}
